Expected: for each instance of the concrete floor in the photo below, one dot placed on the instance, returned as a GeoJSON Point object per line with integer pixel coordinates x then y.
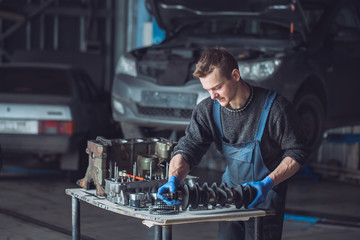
{"type": "Point", "coordinates": [35, 206]}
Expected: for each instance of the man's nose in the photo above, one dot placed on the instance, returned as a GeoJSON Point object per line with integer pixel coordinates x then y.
{"type": "Point", "coordinates": [213, 95]}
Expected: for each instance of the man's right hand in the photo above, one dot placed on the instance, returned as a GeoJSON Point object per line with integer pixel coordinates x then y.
{"type": "Point", "coordinates": [171, 186]}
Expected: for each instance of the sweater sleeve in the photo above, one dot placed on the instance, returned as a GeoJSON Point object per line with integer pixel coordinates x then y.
{"type": "Point", "coordinates": [289, 134]}
{"type": "Point", "coordinates": [198, 137]}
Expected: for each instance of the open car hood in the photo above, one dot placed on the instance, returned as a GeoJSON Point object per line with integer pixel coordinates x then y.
{"type": "Point", "coordinates": [171, 15]}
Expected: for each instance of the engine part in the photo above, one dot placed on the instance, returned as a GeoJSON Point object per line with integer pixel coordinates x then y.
{"type": "Point", "coordinates": [161, 208]}
{"type": "Point", "coordinates": [220, 194]}
{"type": "Point", "coordinates": [137, 200]}
{"type": "Point", "coordinates": [149, 165]}
{"type": "Point", "coordinates": [107, 156]}
{"type": "Point", "coordinates": [195, 197]}
{"type": "Point", "coordinates": [118, 191]}
{"type": "Point", "coordinates": [144, 167]}
{"type": "Point", "coordinates": [229, 193]}
{"type": "Point", "coordinates": [212, 196]}
{"type": "Point", "coordinates": [204, 196]}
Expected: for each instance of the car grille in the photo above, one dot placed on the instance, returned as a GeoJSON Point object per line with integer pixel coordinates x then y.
{"type": "Point", "coordinates": [150, 71]}
{"type": "Point", "coordinates": [168, 113]}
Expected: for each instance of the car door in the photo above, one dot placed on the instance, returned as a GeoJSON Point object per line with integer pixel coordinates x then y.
{"type": "Point", "coordinates": [343, 57]}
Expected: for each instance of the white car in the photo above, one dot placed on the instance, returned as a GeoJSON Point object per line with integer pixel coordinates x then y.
{"type": "Point", "coordinates": [51, 110]}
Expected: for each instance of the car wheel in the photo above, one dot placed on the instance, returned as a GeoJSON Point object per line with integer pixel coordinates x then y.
{"type": "Point", "coordinates": [312, 116]}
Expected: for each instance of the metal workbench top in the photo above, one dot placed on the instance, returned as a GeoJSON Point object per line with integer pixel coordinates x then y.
{"type": "Point", "coordinates": [227, 213]}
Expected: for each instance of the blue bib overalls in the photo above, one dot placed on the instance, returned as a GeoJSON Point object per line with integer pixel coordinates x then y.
{"type": "Point", "coordinates": [244, 163]}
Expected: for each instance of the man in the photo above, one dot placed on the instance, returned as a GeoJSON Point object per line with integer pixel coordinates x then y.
{"type": "Point", "coordinates": [256, 130]}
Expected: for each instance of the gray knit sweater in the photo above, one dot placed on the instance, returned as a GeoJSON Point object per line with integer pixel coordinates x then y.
{"type": "Point", "coordinates": [282, 135]}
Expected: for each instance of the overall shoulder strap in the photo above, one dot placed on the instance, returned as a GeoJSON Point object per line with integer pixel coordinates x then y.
{"type": "Point", "coordinates": [264, 114]}
{"type": "Point", "coordinates": [217, 116]}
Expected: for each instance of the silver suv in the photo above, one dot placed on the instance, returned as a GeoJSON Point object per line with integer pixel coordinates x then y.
{"type": "Point", "coordinates": [307, 50]}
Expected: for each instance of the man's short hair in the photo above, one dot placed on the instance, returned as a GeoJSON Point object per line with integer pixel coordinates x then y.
{"type": "Point", "coordinates": [215, 58]}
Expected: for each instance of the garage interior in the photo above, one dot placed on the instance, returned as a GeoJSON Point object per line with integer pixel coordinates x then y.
{"type": "Point", "coordinates": [322, 199]}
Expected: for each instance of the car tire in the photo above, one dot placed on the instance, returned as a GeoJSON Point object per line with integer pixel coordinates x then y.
{"type": "Point", "coordinates": [312, 116]}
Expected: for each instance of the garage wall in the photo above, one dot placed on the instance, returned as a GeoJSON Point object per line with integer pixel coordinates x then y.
{"type": "Point", "coordinates": [68, 31]}
{"type": "Point", "coordinates": [91, 34]}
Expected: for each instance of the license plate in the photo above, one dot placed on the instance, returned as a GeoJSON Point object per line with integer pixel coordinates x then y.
{"type": "Point", "coordinates": [19, 126]}
{"type": "Point", "coordinates": [168, 99]}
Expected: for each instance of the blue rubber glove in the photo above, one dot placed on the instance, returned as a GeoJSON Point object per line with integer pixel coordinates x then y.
{"type": "Point", "coordinates": [171, 186]}
{"type": "Point", "coordinates": [262, 187]}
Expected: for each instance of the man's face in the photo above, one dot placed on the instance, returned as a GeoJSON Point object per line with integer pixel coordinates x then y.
{"type": "Point", "coordinates": [219, 87]}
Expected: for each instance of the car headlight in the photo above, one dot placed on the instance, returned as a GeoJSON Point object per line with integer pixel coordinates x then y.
{"type": "Point", "coordinates": [258, 71]}
{"type": "Point", "coordinates": [118, 106]}
{"type": "Point", "coordinates": [126, 66]}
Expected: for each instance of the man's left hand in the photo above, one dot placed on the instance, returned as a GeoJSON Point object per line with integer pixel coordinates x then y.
{"type": "Point", "coordinates": [262, 187]}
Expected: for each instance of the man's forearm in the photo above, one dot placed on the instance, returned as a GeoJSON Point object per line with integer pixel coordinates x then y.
{"type": "Point", "coordinates": [287, 168]}
{"type": "Point", "coordinates": [179, 167]}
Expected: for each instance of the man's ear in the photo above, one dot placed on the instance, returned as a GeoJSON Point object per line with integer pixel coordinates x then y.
{"type": "Point", "coordinates": [235, 75]}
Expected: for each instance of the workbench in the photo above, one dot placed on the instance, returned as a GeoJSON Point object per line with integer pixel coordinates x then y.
{"type": "Point", "coordinates": [163, 223]}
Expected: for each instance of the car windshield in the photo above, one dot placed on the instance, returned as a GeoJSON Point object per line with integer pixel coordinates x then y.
{"type": "Point", "coordinates": [41, 81]}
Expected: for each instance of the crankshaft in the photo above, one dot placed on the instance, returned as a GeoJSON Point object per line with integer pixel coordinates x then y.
{"type": "Point", "coordinates": [195, 197]}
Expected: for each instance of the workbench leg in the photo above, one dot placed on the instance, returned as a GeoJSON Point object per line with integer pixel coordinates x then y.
{"type": "Point", "coordinates": [157, 232]}
{"type": "Point", "coordinates": [258, 228]}
{"type": "Point", "coordinates": [167, 232]}
{"type": "Point", "coordinates": [75, 208]}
